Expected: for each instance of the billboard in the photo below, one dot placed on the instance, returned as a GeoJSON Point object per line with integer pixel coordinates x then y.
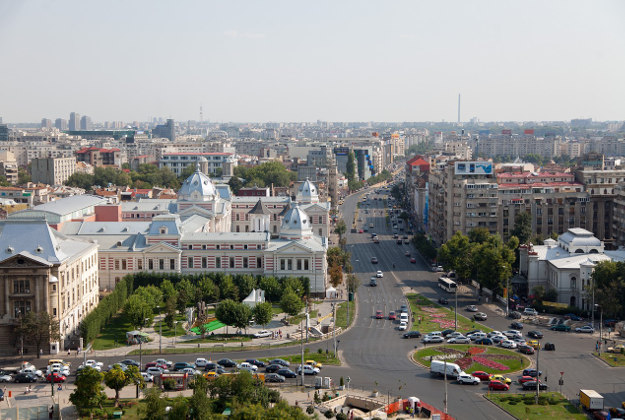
{"type": "Point", "coordinates": [506, 132]}
{"type": "Point", "coordinates": [474, 168]}
{"type": "Point", "coordinates": [529, 132]}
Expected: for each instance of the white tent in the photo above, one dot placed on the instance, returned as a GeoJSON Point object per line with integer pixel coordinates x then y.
{"type": "Point", "coordinates": [331, 293]}
{"type": "Point", "coordinates": [257, 296]}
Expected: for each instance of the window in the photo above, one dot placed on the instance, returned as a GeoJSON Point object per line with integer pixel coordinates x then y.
{"type": "Point", "coordinates": [53, 311]}
{"type": "Point", "coordinates": [203, 262]}
{"type": "Point", "coordinates": [282, 264]}
{"type": "Point", "coordinates": [140, 264]}
{"type": "Point", "coordinates": [244, 262]}
{"type": "Point", "coordinates": [123, 264]}
{"type": "Point", "coordinates": [116, 264]}
{"type": "Point", "coordinates": [203, 246]}
{"type": "Point", "coordinates": [259, 262]}
{"type": "Point", "coordinates": [218, 262]}
{"type": "Point", "coordinates": [21, 286]}
{"type": "Point", "coordinates": [54, 287]}
{"type": "Point", "coordinates": [190, 246]}
{"type": "Point", "coordinates": [218, 247]}
{"type": "Point", "coordinates": [299, 264]}
{"type": "Point", "coordinates": [238, 228]}
{"type": "Point", "coordinates": [231, 261]}
{"type": "Point", "coordinates": [306, 262]}
{"type": "Point", "coordinates": [289, 263]}
{"type": "Point", "coordinates": [172, 264]}
{"type": "Point", "coordinates": [150, 264]}
{"type": "Point", "coordinates": [258, 247]}
{"type": "Point", "coordinates": [190, 262]}
{"type": "Point", "coordinates": [161, 264]}
{"type": "Point", "coordinates": [22, 307]}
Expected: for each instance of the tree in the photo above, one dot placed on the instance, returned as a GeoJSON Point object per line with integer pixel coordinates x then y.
{"type": "Point", "coordinates": [340, 228]}
{"type": "Point", "coordinates": [235, 184]}
{"type": "Point", "coordinates": [186, 294]}
{"type": "Point", "coordinates": [89, 391]}
{"type": "Point", "coordinates": [225, 311]}
{"type": "Point", "coordinates": [336, 275]}
{"type": "Point", "coordinates": [245, 283]}
{"type": "Point", "coordinates": [350, 168]}
{"type": "Point", "coordinates": [242, 316]}
{"type": "Point", "coordinates": [116, 379]}
{"type": "Point", "coordinates": [522, 227]}
{"type": "Point", "coordinates": [262, 313]}
{"type": "Point", "coordinates": [23, 177]}
{"type": "Point", "coordinates": [479, 235]}
{"type": "Point", "coordinates": [352, 283]}
{"type": "Point", "coordinates": [39, 328]}
{"type": "Point", "coordinates": [337, 256]}
{"type": "Point", "coordinates": [151, 294]}
{"type": "Point", "coordinates": [187, 171]}
{"type": "Point", "coordinates": [291, 303]}
{"type": "Point", "coordinates": [155, 405]}
{"type": "Point", "coordinates": [137, 311]}
{"type": "Point", "coordinates": [456, 254]}
{"type": "Point", "coordinates": [199, 401]}
{"type": "Point", "coordinates": [169, 290]}
{"type": "Point", "coordinates": [272, 288]}
{"type": "Point", "coordinates": [228, 289]}
{"type": "Point", "coordinates": [207, 290]}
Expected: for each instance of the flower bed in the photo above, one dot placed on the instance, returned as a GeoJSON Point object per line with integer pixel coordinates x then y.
{"type": "Point", "coordinates": [429, 316]}
{"type": "Point", "coordinates": [471, 357]}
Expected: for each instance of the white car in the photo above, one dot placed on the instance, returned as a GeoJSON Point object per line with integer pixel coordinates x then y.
{"type": "Point", "coordinates": [247, 366]}
{"type": "Point", "coordinates": [262, 334]}
{"type": "Point", "coordinates": [435, 333]}
{"type": "Point", "coordinates": [459, 340]}
{"type": "Point", "coordinates": [191, 371]}
{"type": "Point", "coordinates": [476, 336]}
{"type": "Point", "coordinates": [454, 334]}
{"type": "Point", "coordinates": [512, 334]}
{"type": "Point", "coordinates": [493, 333]}
{"type": "Point", "coordinates": [308, 370]}
{"type": "Point", "coordinates": [498, 338]}
{"type": "Point", "coordinates": [93, 363]}
{"type": "Point", "coordinates": [472, 308]}
{"type": "Point", "coordinates": [31, 370]}
{"type": "Point", "coordinates": [508, 344]}
{"type": "Point", "coordinates": [403, 326]}
{"type": "Point", "coordinates": [147, 377]}
{"type": "Point", "coordinates": [433, 339]}
{"type": "Point", "coordinates": [6, 378]}
{"type": "Point", "coordinates": [520, 341]}
{"type": "Point", "coordinates": [379, 274]}
{"type": "Point", "coordinates": [465, 378]}
{"type": "Point", "coordinates": [585, 329]}
{"type": "Point", "coordinates": [530, 312]}
{"type": "Point", "coordinates": [201, 362]}
{"type": "Point", "coordinates": [155, 371]}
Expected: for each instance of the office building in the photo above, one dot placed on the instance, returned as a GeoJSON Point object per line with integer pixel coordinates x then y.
{"type": "Point", "coordinates": [52, 171]}
{"type": "Point", "coordinates": [74, 121]}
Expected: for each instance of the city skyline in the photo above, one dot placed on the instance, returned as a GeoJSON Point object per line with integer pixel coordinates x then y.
{"type": "Point", "coordinates": [277, 61]}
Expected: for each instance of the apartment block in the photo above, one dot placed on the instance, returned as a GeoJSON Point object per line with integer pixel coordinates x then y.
{"type": "Point", "coordinates": [52, 171]}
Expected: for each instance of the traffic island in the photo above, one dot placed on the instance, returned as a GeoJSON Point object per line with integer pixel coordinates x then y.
{"type": "Point", "coordinates": [551, 405]}
{"type": "Point", "coordinates": [470, 358]}
{"type": "Point", "coordinates": [612, 359]}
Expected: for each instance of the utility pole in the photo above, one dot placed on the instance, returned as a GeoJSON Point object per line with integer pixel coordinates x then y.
{"type": "Point", "coordinates": [160, 337]}
{"type": "Point", "coordinates": [445, 375]}
{"type": "Point", "coordinates": [456, 311]}
{"type": "Point", "coordinates": [334, 329]}
{"type": "Point", "coordinates": [301, 344]}
{"type": "Point", "coordinates": [537, 373]}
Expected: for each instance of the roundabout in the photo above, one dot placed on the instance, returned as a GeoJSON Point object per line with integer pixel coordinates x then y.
{"type": "Point", "coordinates": [469, 357]}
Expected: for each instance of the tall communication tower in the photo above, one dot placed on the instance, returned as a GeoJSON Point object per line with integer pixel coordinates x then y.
{"type": "Point", "coordinates": [201, 114]}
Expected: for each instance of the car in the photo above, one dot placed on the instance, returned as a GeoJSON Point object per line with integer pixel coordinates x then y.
{"type": "Point", "coordinates": [585, 329]}
{"type": "Point", "coordinates": [155, 371]}
{"type": "Point", "coordinates": [484, 376]}
{"type": "Point", "coordinates": [165, 362]}
{"type": "Point", "coordinates": [445, 333]}
{"type": "Point", "coordinates": [407, 253]}
{"type": "Point", "coordinates": [471, 308]}
{"type": "Point", "coordinates": [262, 334]}
{"type": "Point", "coordinates": [530, 312]}
{"type": "Point", "coordinates": [399, 242]}
{"type": "Point", "coordinates": [379, 274]}
{"type": "Point", "coordinates": [379, 315]}
{"type": "Point", "coordinates": [560, 327]}
{"type": "Point", "coordinates": [465, 378]}
{"type": "Point", "coordinates": [392, 316]}
{"type": "Point", "coordinates": [373, 235]}
{"type": "Point", "coordinates": [525, 349]}
{"type": "Point", "coordinates": [519, 341]}
{"type": "Point", "coordinates": [32, 370]}
{"type": "Point", "coordinates": [413, 260]}
{"type": "Point", "coordinates": [201, 362]}
{"type": "Point", "coordinates": [498, 386]}
{"type": "Point", "coordinates": [226, 363]}
{"type": "Point", "coordinates": [433, 339]}
{"type": "Point", "coordinates": [211, 366]}
{"type": "Point", "coordinates": [610, 323]}
{"type": "Point", "coordinates": [190, 371]}
{"type": "Point", "coordinates": [360, 231]}
{"type": "Point", "coordinates": [549, 347]}
{"type": "Point", "coordinates": [127, 362]}
{"type": "Point", "coordinates": [501, 378]}
{"type": "Point", "coordinates": [443, 301]}
{"type": "Point", "coordinates": [534, 343]}
{"type": "Point", "coordinates": [406, 241]}
{"type": "Point", "coordinates": [178, 366]}
{"type": "Point", "coordinates": [531, 385]}
{"type": "Point", "coordinates": [247, 367]}
{"type": "Point", "coordinates": [617, 412]}
{"type": "Point", "coordinates": [273, 368]}
{"type": "Point", "coordinates": [454, 334]}
{"type": "Point", "coordinates": [508, 344]}
{"type": "Point", "coordinates": [525, 378]}
{"type": "Point", "coordinates": [314, 363]}
{"type": "Point", "coordinates": [280, 362]}
{"type": "Point", "coordinates": [308, 370]}
{"type": "Point", "coordinates": [25, 378]}
{"type": "Point", "coordinates": [256, 362]}
{"type": "Point", "coordinates": [572, 317]}
{"type": "Point", "coordinates": [601, 415]}
{"type": "Point", "coordinates": [514, 315]}
{"type": "Point", "coordinates": [403, 308]}
{"type": "Point", "coordinates": [374, 260]}
{"type": "Point", "coordinates": [516, 325]}
{"type": "Point", "coordinates": [412, 334]}
{"type": "Point", "coordinates": [437, 269]}
{"type": "Point", "coordinates": [274, 377]}
{"type": "Point", "coordinates": [532, 372]}
{"type": "Point", "coordinates": [476, 336]}
{"type": "Point", "coordinates": [5, 377]}
{"type": "Point", "coordinates": [535, 334]}
{"type": "Point", "coordinates": [459, 340]}
{"type": "Point", "coordinates": [403, 326]}
{"type": "Point", "coordinates": [497, 339]}
{"type": "Point", "coordinates": [147, 377]}
{"type": "Point", "coordinates": [56, 378]}
{"type": "Point", "coordinates": [152, 364]}
{"type": "Point", "coordinates": [484, 341]}
{"type": "Point", "coordinates": [480, 316]}
{"type": "Point", "coordinates": [287, 373]}
{"type": "Point", "coordinates": [403, 317]}
{"type": "Point", "coordinates": [373, 282]}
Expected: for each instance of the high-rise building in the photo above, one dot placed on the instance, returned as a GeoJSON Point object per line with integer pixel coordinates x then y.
{"type": "Point", "coordinates": [74, 121]}
{"type": "Point", "coordinates": [52, 171]}
{"type": "Point", "coordinates": [85, 123]}
{"type": "Point", "coordinates": [46, 123]}
{"type": "Point", "coordinates": [4, 132]}
{"type": "Point", "coordinates": [167, 130]}
{"type": "Point", "coordinates": [61, 124]}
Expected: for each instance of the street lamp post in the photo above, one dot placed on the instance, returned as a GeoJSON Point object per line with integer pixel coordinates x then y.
{"type": "Point", "coordinates": [456, 310]}
{"type": "Point", "coordinates": [600, 327]}
{"type": "Point", "coordinates": [537, 373]}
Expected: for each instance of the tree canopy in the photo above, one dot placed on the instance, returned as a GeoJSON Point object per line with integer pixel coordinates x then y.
{"type": "Point", "coordinates": [266, 174]}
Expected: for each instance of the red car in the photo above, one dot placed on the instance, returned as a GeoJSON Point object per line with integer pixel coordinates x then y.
{"type": "Point", "coordinates": [360, 231]}
{"type": "Point", "coordinates": [57, 377]}
{"type": "Point", "coordinates": [154, 364]}
{"type": "Point", "coordinates": [482, 375]}
{"type": "Point", "coordinates": [392, 316]}
{"type": "Point", "coordinates": [498, 385]}
{"type": "Point", "coordinates": [413, 260]}
{"type": "Point", "coordinates": [379, 315]}
{"type": "Point", "coordinates": [523, 379]}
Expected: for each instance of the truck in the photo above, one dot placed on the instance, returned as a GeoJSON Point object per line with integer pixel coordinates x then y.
{"type": "Point", "coordinates": [439, 367]}
{"type": "Point", "coordinates": [590, 399]}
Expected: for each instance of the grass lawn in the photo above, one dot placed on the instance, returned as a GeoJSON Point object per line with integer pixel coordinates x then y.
{"type": "Point", "coordinates": [113, 335]}
{"type": "Point", "coordinates": [221, 338]}
{"type": "Point", "coordinates": [435, 317]}
{"type": "Point", "coordinates": [478, 361]}
{"type": "Point", "coordinates": [129, 407]}
{"type": "Point", "coordinates": [295, 320]}
{"type": "Point", "coordinates": [323, 358]}
{"type": "Point", "coordinates": [554, 406]}
{"type": "Point", "coordinates": [341, 314]}
{"type": "Point", "coordinates": [176, 330]}
{"type": "Point", "coordinates": [613, 359]}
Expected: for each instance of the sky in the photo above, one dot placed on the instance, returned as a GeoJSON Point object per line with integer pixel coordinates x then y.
{"type": "Point", "coordinates": [258, 61]}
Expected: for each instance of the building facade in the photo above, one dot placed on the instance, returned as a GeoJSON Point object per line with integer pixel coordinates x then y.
{"type": "Point", "coordinates": [52, 171]}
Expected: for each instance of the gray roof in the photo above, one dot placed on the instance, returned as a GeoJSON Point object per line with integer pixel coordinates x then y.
{"type": "Point", "coordinates": [240, 237]}
{"type": "Point", "coordinates": [105, 228]}
{"type": "Point", "coordinates": [148, 205]}
{"type": "Point", "coordinates": [259, 208]}
{"type": "Point", "coordinates": [224, 191]}
{"type": "Point", "coordinates": [71, 204]}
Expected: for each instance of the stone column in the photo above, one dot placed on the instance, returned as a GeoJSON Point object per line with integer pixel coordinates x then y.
{"type": "Point", "coordinates": [36, 279]}
{"type": "Point", "coordinates": [7, 309]}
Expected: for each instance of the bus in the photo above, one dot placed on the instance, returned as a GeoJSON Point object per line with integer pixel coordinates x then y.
{"type": "Point", "coordinates": [447, 284]}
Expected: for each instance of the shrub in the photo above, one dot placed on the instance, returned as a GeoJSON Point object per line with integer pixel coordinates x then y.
{"type": "Point", "coordinates": [169, 384]}
{"type": "Point", "coordinates": [329, 414]}
{"type": "Point", "coordinates": [320, 350]}
{"type": "Point", "coordinates": [310, 409]}
{"type": "Point", "coordinates": [512, 402]}
{"type": "Point", "coordinates": [341, 416]}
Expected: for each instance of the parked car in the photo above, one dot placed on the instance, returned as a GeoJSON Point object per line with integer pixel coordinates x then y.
{"type": "Point", "coordinates": [178, 366]}
{"type": "Point", "coordinates": [532, 372]}
{"type": "Point", "coordinates": [445, 333]}
{"type": "Point", "coordinates": [572, 317]}
{"type": "Point", "coordinates": [471, 308]}
{"type": "Point", "coordinates": [437, 269]}
{"type": "Point", "coordinates": [508, 344]}
{"type": "Point", "coordinates": [482, 375]}
{"type": "Point", "coordinates": [531, 385]}
{"type": "Point", "coordinates": [403, 308]}
{"type": "Point", "coordinates": [256, 362]}
{"type": "Point", "coordinates": [412, 334]}
{"type": "Point", "coordinates": [226, 363]}
{"type": "Point", "coordinates": [147, 377]}
{"type": "Point", "coordinates": [287, 373]}
{"type": "Point", "coordinates": [498, 386]}
{"type": "Point", "coordinates": [549, 347]}
{"type": "Point", "coordinates": [585, 329]}
{"type": "Point", "coordinates": [247, 367]}
{"type": "Point", "coordinates": [459, 340]}
{"type": "Point", "coordinates": [127, 362]}
{"type": "Point", "coordinates": [274, 377]}
{"type": "Point", "coordinates": [56, 378]}
{"type": "Point", "coordinates": [392, 316]}
{"type": "Point", "coordinates": [155, 371]}
{"type": "Point", "coordinates": [465, 378]}
{"type": "Point", "coordinates": [525, 349]}
{"type": "Point", "coordinates": [280, 362]}
{"type": "Point", "coordinates": [201, 362]}
{"type": "Point", "coordinates": [262, 334]}
{"type": "Point", "coordinates": [530, 312]}
{"type": "Point", "coordinates": [5, 377]}
{"type": "Point", "coordinates": [560, 327]}
{"type": "Point", "coordinates": [379, 314]}
{"type": "Point", "coordinates": [525, 378]}
{"type": "Point", "coordinates": [516, 325]}
{"type": "Point", "coordinates": [443, 301]}
{"type": "Point", "coordinates": [535, 334]}
{"type": "Point", "coordinates": [484, 341]}
{"type": "Point", "coordinates": [433, 339]}
{"type": "Point", "coordinates": [480, 316]}
{"type": "Point", "coordinates": [308, 370]}
{"type": "Point", "coordinates": [273, 368]}
{"type": "Point", "coordinates": [25, 378]}
{"type": "Point", "coordinates": [501, 378]}
{"type": "Point", "coordinates": [514, 315]}
{"type": "Point", "coordinates": [476, 336]}
{"type": "Point", "coordinates": [374, 260]}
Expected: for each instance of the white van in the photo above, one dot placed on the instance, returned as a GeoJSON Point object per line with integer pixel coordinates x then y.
{"type": "Point", "coordinates": [403, 317]}
{"type": "Point", "coordinates": [439, 367]}
{"type": "Point", "coordinates": [530, 312]}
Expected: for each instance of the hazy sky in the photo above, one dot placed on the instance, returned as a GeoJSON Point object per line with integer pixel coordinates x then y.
{"type": "Point", "coordinates": [302, 61]}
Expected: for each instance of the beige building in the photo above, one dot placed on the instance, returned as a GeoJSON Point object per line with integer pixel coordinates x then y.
{"type": "Point", "coordinates": [52, 171]}
{"type": "Point", "coordinates": [8, 166]}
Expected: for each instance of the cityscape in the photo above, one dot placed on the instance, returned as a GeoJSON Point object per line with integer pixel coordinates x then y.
{"type": "Point", "coordinates": [349, 211]}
